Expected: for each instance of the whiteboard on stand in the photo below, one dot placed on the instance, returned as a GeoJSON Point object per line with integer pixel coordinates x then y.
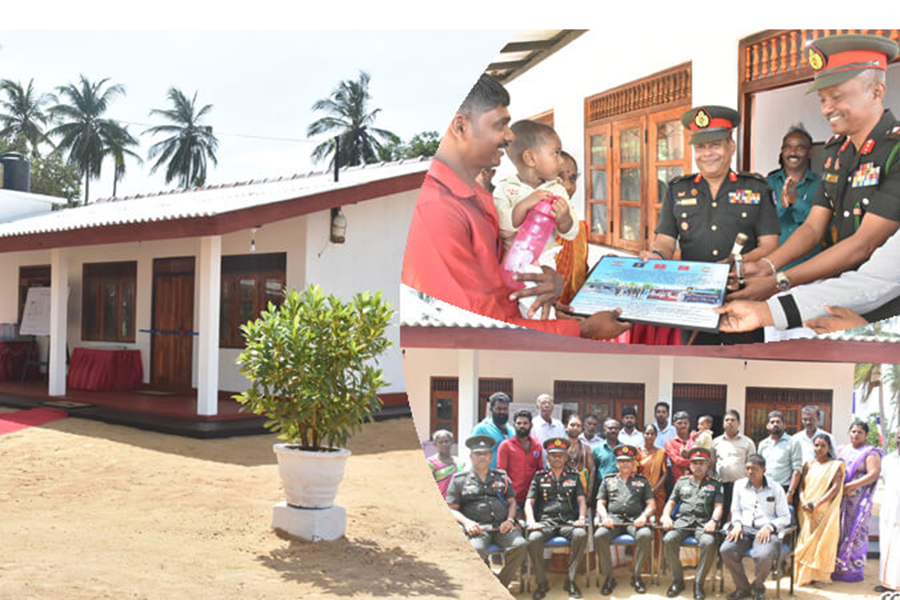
{"type": "Point", "coordinates": [36, 316]}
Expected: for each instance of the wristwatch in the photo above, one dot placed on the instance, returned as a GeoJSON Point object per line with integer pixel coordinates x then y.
{"type": "Point", "coordinates": [782, 281]}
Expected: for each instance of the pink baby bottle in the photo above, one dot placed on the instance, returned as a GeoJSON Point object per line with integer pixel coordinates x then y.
{"type": "Point", "coordinates": [529, 243]}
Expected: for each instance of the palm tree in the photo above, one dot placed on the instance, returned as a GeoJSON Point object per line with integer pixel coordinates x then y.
{"type": "Point", "coordinates": [118, 148]}
{"type": "Point", "coordinates": [23, 118]}
{"type": "Point", "coordinates": [189, 145]}
{"type": "Point", "coordinates": [84, 133]}
{"type": "Point", "coordinates": [349, 119]}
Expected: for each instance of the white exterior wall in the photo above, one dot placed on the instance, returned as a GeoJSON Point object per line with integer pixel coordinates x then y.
{"type": "Point", "coordinates": [601, 60]}
{"type": "Point", "coordinates": [533, 373]}
{"type": "Point", "coordinates": [371, 259]}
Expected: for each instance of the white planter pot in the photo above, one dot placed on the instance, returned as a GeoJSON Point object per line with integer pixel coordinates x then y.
{"type": "Point", "coordinates": [310, 479]}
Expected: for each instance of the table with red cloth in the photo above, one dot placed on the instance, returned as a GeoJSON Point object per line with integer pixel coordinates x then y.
{"type": "Point", "coordinates": [13, 355]}
{"type": "Point", "coordinates": [105, 370]}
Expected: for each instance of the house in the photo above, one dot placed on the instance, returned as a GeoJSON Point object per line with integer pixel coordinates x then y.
{"type": "Point", "coordinates": [615, 99]}
{"type": "Point", "coordinates": [172, 275]}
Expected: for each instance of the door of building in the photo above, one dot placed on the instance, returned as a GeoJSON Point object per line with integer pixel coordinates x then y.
{"type": "Point", "coordinates": [171, 343]}
{"type": "Point", "coordinates": [700, 399]}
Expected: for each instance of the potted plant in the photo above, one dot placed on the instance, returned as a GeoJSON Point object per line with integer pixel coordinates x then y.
{"type": "Point", "coordinates": [312, 364]}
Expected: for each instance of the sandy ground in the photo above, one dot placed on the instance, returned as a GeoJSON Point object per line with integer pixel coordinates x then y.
{"type": "Point", "coordinates": [93, 511]}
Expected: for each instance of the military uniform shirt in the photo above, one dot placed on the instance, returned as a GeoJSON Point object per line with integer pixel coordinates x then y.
{"type": "Point", "coordinates": [697, 500]}
{"type": "Point", "coordinates": [556, 500]}
{"type": "Point", "coordinates": [485, 502]}
{"type": "Point", "coordinates": [857, 181]}
{"type": "Point", "coordinates": [625, 499]}
{"type": "Point", "coordinates": [706, 227]}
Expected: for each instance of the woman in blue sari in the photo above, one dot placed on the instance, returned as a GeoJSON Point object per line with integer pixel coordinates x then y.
{"type": "Point", "coordinates": [863, 470]}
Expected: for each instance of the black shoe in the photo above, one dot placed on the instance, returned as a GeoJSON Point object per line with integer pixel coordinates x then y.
{"type": "Point", "coordinates": [608, 586]}
{"type": "Point", "coordinates": [738, 595]}
{"type": "Point", "coordinates": [572, 589]}
{"type": "Point", "coordinates": [638, 584]}
{"type": "Point", "coordinates": [676, 588]}
{"type": "Point", "coordinates": [541, 591]}
{"type": "Point", "coordinates": [759, 594]}
{"type": "Point", "coordinates": [698, 591]}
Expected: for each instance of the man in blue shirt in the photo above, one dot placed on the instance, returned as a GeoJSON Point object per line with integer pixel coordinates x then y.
{"type": "Point", "coordinates": [496, 424]}
{"type": "Point", "coordinates": [604, 457]}
{"type": "Point", "coordinates": [794, 186]}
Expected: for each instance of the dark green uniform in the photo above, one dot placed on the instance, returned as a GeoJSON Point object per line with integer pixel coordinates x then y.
{"type": "Point", "coordinates": [697, 503]}
{"type": "Point", "coordinates": [859, 181]}
{"type": "Point", "coordinates": [555, 504]}
{"type": "Point", "coordinates": [706, 227]}
{"type": "Point", "coordinates": [487, 503]}
{"type": "Point", "coordinates": [625, 501]}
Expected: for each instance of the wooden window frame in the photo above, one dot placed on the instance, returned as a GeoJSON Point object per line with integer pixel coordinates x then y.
{"type": "Point", "coordinates": [259, 267]}
{"type": "Point", "coordinates": [787, 399]}
{"type": "Point", "coordinates": [96, 277]}
{"type": "Point", "coordinates": [614, 395]}
{"type": "Point", "coordinates": [490, 385]}
{"type": "Point", "coordinates": [31, 276]}
{"type": "Point", "coordinates": [452, 390]}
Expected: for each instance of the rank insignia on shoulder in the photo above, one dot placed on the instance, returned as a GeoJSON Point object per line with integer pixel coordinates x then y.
{"type": "Point", "coordinates": [895, 130]}
{"type": "Point", "coordinates": [828, 163]}
{"type": "Point", "coordinates": [682, 194]}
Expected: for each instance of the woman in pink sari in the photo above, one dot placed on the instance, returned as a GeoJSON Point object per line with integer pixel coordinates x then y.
{"type": "Point", "coordinates": [443, 465]}
{"type": "Point", "coordinates": [863, 470]}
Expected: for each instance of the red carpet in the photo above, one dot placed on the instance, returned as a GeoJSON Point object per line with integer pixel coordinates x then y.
{"type": "Point", "coordinates": [22, 419]}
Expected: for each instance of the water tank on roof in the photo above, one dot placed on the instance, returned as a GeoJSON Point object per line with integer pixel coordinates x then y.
{"type": "Point", "coordinates": [16, 172]}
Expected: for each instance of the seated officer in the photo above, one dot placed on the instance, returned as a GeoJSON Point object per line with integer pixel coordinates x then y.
{"type": "Point", "coordinates": [556, 506]}
{"type": "Point", "coordinates": [759, 509]}
{"type": "Point", "coordinates": [483, 501]}
{"type": "Point", "coordinates": [624, 505]}
{"type": "Point", "coordinates": [699, 515]}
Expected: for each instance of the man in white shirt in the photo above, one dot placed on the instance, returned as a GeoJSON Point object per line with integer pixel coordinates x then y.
{"type": "Point", "coordinates": [630, 435]}
{"type": "Point", "coordinates": [590, 435]}
{"type": "Point", "coordinates": [732, 449]}
{"type": "Point", "coordinates": [809, 416]}
{"type": "Point", "coordinates": [545, 426]}
{"type": "Point", "coordinates": [664, 430]}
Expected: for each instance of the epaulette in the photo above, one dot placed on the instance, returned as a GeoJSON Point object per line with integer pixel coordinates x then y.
{"type": "Point", "coordinates": [501, 471]}
{"type": "Point", "coordinates": [753, 176]}
{"type": "Point", "coordinates": [834, 140]}
{"type": "Point", "coordinates": [894, 132]}
{"type": "Point", "coordinates": [461, 474]}
{"type": "Point", "coordinates": [610, 475]}
{"type": "Point", "coordinates": [685, 477]}
{"type": "Point", "coordinates": [675, 180]}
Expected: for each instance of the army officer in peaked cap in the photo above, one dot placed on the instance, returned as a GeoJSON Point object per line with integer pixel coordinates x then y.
{"type": "Point", "coordinates": [704, 212]}
{"type": "Point", "coordinates": [624, 505]}
{"type": "Point", "coordinates": [483, 501]}
{"type": "Point", "coordinates": [556, 505]}
{"type": "Point", "coordinates": [858, 201]}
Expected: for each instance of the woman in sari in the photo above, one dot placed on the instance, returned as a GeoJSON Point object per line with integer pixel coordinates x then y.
{"type": "Point", "coordinates": [443, 465]}
{"type": "Point", "coordinates": [580, 460]}
{"type": "Point", "coordinates": [652, 465]}
{"type": "Point", "coordinates": [820, 514]}
{"type": "Point", "coordinates": [863, 470]}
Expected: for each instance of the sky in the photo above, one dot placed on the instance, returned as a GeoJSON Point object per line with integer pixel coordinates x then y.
{"type": "Point", "coordinates": [260, 83]}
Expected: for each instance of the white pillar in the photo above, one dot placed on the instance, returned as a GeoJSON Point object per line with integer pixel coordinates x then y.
{"type": "Point", "coordinates": [666, 379]}
{"type": "Point", "coordinates": [210, 292]}
{"type": "Point", "coordinates": [59, 322]}
{"type": "Point", "coordinates": [468, 392]}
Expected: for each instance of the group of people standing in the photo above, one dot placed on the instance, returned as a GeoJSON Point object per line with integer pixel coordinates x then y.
{"type": "Point", "coordinates": [539, 477]}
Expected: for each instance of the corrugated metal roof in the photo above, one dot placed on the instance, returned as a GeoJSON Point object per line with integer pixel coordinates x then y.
{"type": "Point", "coordinates": [420, 310]}
{"type": "Point", "coordinates": [208, 201]}
{"type": "Point", "coordinates": [527, 48]}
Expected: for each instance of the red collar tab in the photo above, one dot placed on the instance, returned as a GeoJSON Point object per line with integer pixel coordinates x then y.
{"type": "Point", "coordinates": [844, 145]}
{"type": "Point", "coordinates": [698, 178]}
{"type": "Point", "coordinates": [867, 147]}
{"type": "Point", "coordinates": [732, 177]}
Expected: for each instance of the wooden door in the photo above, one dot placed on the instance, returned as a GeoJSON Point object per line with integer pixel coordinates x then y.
{"type": "Point", "coordinates": [445, 405]}
{"type": "Point", "coordinates": [173, 322]}
{"type": "Point", "coordinates": [628, 183]}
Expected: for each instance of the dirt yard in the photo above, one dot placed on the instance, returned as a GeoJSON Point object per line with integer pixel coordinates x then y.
{"type": "Point", "coordinates": [93, 511]}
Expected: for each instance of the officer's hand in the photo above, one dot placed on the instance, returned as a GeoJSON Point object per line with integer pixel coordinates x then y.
{"type": "Point", "coordinates": [742, 315]}
{"type": "Point", "coordinates": [640, 522]}
{"type": "Point", "coordinates": [603, 325]}
{"type": "Point", "coordinates": [646, 255]}
{"type": "Point", "coordinates": [789, 192]}
{"type": "Point", "coordinates": [842, 318]}
{"type": "Point", "coordinates": [506, 526]}
{"type": "Point", "coordinates": [580, 522]}
{"type": "Point", "coordinates": [534, 526]}
{"type": "Point", "coordinates": [735, 533]}
{"type": "Point", "coordinates": [608, 522]}
{"type": "Point", "coordinates": [764, 534]}
{"type": "Point", "coordinates": [667, 522]}
{"type": "Point", "coordinates": [710, 526]}
{"type": "Point", "coordinates": [549, 286]}
{"type": "Point", "coordinates": [755, 288]}
{"type": "Point", "coordinates": [473, 528]}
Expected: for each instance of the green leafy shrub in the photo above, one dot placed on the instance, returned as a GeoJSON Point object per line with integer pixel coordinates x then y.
{"type": "Point", "coordinates": [312, 365]}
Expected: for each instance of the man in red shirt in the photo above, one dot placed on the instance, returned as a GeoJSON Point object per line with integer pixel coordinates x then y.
{"type": "Point", "coordinates": [521, 456]}
{"type": "Point", "coordinates": [453, 250]}
{"type": "Point", "coordinates": [677, 447]}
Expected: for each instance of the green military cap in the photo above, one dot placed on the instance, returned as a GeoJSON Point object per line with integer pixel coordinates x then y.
{"type": "Point", "coordinates": [837, 58]}
{"type": "Point", "coordinates": [698, 453]}
{"type": "Point", "coordinates": [556, 444]}
{"type": "Point", "coordinates": [480, 443]}
{"type": "Point", "coordinates": [625, 452]}
{"type": "Point", "coordinates": [709, 123]}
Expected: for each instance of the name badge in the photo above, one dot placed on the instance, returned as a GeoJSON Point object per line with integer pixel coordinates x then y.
{"type": "Point", "coordinates": [687, 202]}
{"type": "Point", "coordinates": [743, 197]}
{"type": "Point", "coordinates": [867, 174]}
